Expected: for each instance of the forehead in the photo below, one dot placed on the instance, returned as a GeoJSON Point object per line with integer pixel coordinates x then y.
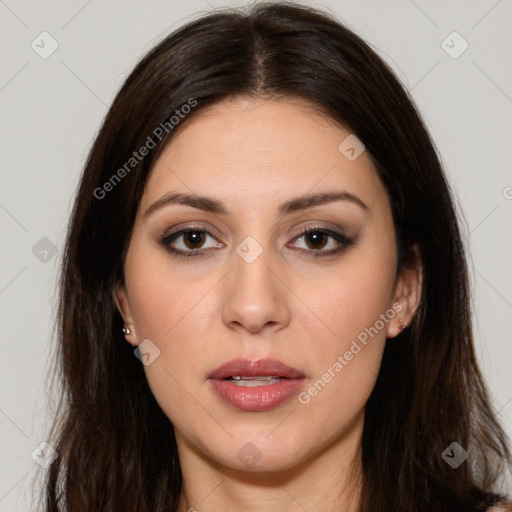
{"type": "Point", "coordinates": [251, 150]}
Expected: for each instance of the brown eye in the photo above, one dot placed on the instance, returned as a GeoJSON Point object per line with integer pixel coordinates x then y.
{"type": "Point", "coordinates": [316, 239]}
{"type": "Point", "coordinates": [193, 239]}
{"type": "Point", "coordinates": [190, 242]}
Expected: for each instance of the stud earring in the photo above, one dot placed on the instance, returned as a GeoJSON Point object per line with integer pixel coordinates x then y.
{"type": "Point", "coordinates": [401, 326]}
{"type": "Point", "coordinates": [126, 330]}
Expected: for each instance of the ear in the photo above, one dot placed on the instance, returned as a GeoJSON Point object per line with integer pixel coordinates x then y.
{"type": "Point", "coordinates": [120, 297]}
{"type": "Point", "coordinates": [407, 294]}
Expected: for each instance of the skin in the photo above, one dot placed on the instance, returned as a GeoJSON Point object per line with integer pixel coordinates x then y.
{"type": "Point", "coordinates": [253, 155]}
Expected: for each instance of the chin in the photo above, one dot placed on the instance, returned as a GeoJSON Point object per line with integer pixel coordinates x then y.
{"type": "Point", "coordinates": [257, 449]}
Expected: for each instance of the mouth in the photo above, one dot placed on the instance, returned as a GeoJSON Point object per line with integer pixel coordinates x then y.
{"type": "Point", "coordinates": [255, 385]}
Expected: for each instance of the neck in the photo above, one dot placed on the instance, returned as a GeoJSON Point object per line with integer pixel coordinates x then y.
{"type": "Point", "coordinates": [329, 481]}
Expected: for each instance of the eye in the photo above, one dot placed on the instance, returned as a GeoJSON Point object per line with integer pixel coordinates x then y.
{"type": "Point", "coordinates": [192, 242]}
{"type": "Point", "coordinates": [322, 241]}
{"type": "Point", "coordinates": [188, 242]}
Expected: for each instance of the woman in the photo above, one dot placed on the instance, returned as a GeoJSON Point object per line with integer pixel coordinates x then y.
{"type": "Point", "coordinates": [264, 297]}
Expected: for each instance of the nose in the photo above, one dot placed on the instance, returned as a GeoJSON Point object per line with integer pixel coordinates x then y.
{"type": "Point", "coordinates": [255, 297]}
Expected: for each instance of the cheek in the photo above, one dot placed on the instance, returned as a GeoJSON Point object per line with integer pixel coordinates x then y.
{"type": "Point", "coordinates": [170, 310]}
{"type": "Point", "coordinates": [162, 298]}
{"type": "Point", "coordinates": [354, 297]}
{"type": "Point", "coordinates": [166, 308]}
{"type": "Point", "coordinates": [347, 356]}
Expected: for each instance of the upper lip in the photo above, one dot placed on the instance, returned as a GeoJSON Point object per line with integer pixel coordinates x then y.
{"type": "Point", "coordinates": [258, 368]}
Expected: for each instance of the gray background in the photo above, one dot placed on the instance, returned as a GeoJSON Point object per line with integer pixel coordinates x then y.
{"type": "Point", "coordinates": [52, 108]}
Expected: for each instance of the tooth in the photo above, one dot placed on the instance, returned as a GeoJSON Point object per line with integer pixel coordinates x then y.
{"type": "Point", "coordinates": [254, 382]}
{"type": "Point", "coordinates": [259, 377]}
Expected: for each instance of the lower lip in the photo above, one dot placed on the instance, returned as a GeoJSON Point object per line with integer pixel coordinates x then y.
{"type": "Point", "coordinates": [259, 398]}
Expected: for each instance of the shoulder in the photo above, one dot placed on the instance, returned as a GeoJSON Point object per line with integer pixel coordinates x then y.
{"type": "Point", "coordinates": [501, 507]}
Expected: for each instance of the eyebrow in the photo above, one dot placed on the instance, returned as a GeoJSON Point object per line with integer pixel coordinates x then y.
{"type": "Point", "coordinates": [214, 206]}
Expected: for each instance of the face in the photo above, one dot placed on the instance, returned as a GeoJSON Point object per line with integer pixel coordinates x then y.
{"type": "Point", "coordinates": [286, 271]}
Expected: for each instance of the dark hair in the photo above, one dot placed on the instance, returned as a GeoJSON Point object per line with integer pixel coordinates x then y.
{"type": "Point", "coordinates": [116, 447]}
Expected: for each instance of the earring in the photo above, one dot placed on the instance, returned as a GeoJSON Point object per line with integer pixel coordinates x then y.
{"type": "Point", "coordinates": [401, 326]}
{"type": "Point", "coordinates": [126, 330]}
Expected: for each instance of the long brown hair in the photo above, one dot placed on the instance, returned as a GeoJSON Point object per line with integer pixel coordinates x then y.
{"type": "Point", "coordinates": [116, 447]}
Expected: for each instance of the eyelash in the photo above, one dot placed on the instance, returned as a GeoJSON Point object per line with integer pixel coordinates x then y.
{"type": "Point", "coordinates": [343, 240]}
